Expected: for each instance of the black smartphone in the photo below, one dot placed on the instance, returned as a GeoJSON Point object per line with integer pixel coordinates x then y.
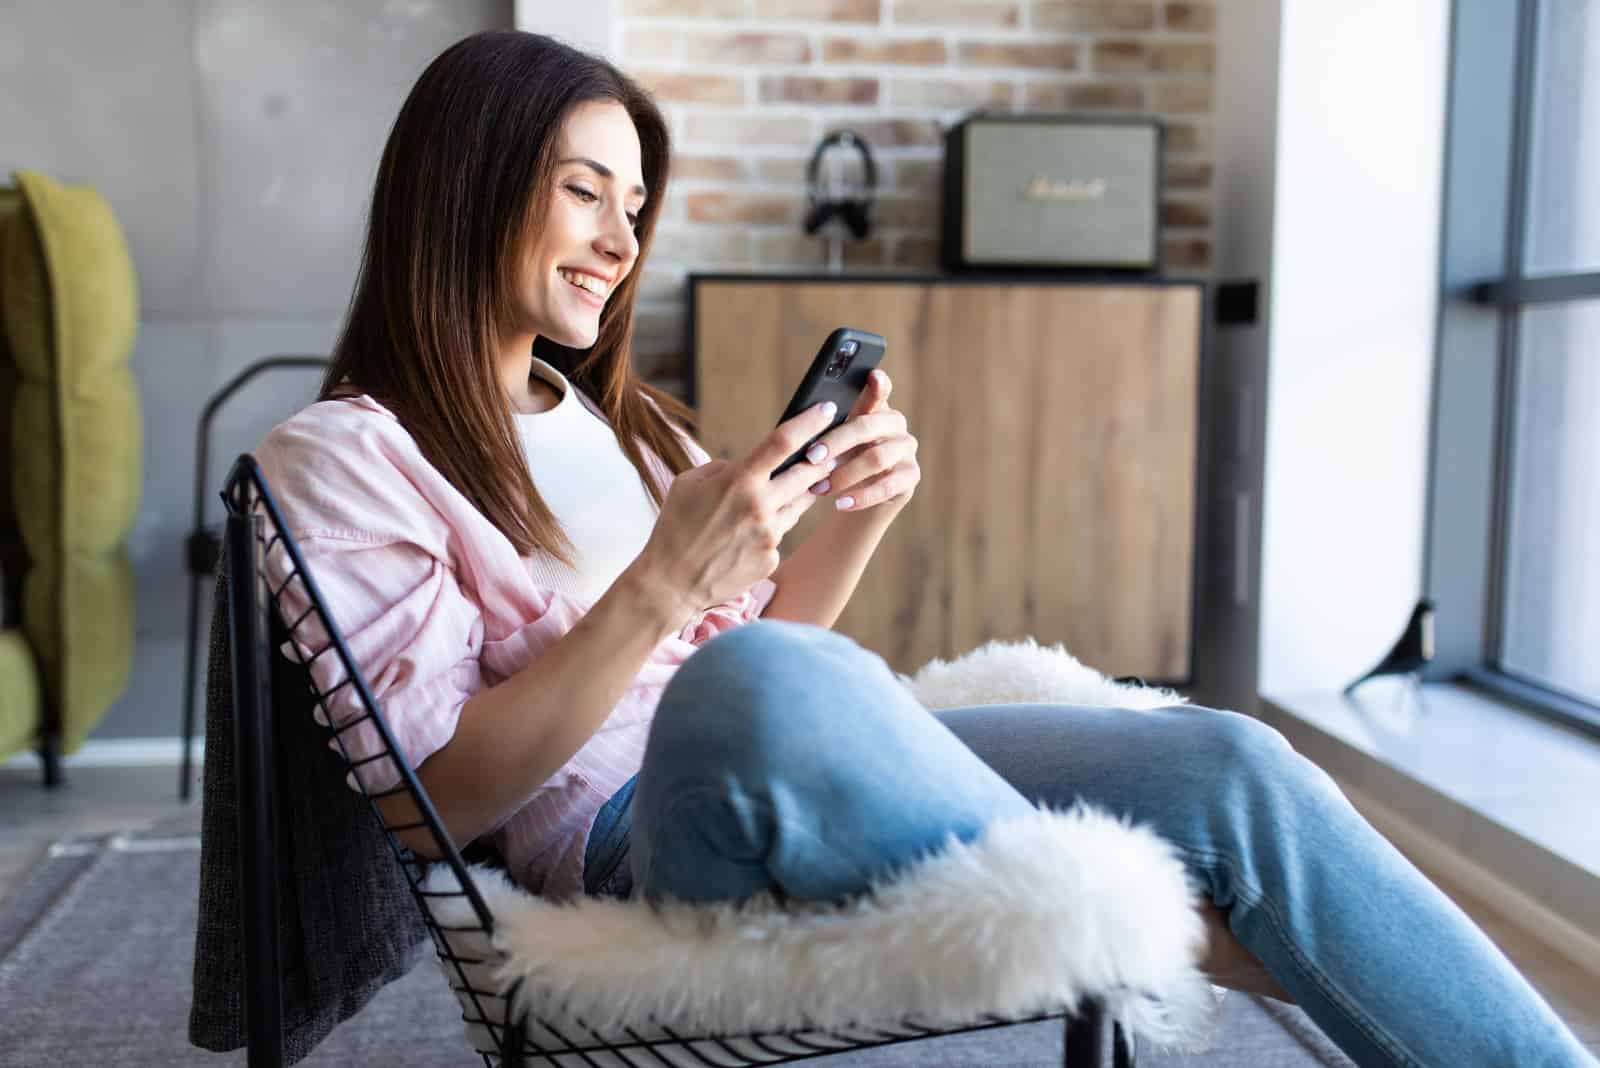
{"type": "Point", "coordinates": [837, 373]}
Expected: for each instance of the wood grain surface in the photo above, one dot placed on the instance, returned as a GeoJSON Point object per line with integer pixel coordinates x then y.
{"type": "Point", "coordinates": [1057, 437]}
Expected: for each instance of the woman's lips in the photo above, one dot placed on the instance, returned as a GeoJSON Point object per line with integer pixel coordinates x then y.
{"type": "Point", "coordinates": [592, 299]}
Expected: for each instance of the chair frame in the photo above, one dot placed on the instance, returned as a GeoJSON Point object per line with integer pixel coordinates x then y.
{"type": "Point", "coordinates": [255, 528]}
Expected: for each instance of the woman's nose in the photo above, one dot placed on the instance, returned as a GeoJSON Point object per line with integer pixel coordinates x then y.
{"type": "Point", "coordinates": [618, 239]}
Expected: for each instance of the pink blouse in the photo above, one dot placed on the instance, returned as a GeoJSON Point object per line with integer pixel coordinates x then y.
{"type": "Point", "coordinates": [435, 605]}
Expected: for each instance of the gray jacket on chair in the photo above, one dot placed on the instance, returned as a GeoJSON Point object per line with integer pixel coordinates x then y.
{"type": "Point", "coordinates": [347, 923]}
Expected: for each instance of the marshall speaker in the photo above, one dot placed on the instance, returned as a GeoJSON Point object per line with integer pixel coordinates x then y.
{"type": "Point", "coordinates": [1052, 191]}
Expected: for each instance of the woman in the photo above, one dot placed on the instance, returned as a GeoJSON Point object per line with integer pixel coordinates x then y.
{"type": "Point", "coordinates": [531, 559]}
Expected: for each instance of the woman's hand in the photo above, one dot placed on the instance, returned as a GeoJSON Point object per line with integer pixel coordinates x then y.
{"type": "Point", "coordinates": [877, 456]}
{"type": "Point", "coordinates": [721, 523]}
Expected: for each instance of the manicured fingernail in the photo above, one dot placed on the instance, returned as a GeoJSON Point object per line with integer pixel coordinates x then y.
{"type": "Point", "coordinates": [821, 487]}
{"type": "Point", "coordinates": [831, 465]}
{"type": "Point", "coordinates": [828, 408]}
{"type": "Point", "coordinates": [816, 452]}
{"type": "Point", "coordinates": [844, 502]}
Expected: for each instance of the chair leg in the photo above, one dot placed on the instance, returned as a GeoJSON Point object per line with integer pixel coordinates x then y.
{"type": "Point", "coordinates": [186, 773]}
{"type": "Point", "coordinates": [1124, 1054]}
{"type": "Point", "coordinates": [50, 755]}
{"type": "Point", "coordinates": [253, 762]}
{"type": "Point", "coordinates": [513, 1042]}
{"type": "Point", "coordinates": [1085, 1037]}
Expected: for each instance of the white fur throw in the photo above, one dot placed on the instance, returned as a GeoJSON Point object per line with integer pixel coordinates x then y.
{"type": "Point", "coordinates": [1030, 917]}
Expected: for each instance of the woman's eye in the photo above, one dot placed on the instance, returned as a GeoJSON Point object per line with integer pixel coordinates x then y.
{"type": "Point", "coordinates": [582, 193]}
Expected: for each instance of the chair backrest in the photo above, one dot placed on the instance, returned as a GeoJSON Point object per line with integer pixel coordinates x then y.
{"type": "Point", "coordinates": [267, 625]}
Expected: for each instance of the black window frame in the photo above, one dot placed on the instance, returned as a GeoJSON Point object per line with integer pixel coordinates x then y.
{"type": "Point", "coordinates": [1482, 292]}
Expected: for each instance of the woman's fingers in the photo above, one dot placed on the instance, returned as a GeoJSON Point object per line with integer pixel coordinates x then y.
{"type": "Point", "coordinates": [899, 479]}
{"type": "Point", "coordinates": [785, 440]}
{"type": "Point", "coordinates": [789, 514]}
{"type": "Point", "coordinates": [801, 477]}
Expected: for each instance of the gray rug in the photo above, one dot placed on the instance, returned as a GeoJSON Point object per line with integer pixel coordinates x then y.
{"type": "Point", "coordinates": [97, 943]}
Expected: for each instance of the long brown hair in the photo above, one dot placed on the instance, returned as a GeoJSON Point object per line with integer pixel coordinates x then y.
{"type": "Point", "coordinates": [463, 182]}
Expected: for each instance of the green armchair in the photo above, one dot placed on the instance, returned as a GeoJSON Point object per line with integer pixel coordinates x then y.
{"type": "Point", "coordinates": [70, 455]}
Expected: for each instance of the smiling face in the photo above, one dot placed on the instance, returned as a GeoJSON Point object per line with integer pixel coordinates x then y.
{"type": "Point", "coordinates": [587, 245]}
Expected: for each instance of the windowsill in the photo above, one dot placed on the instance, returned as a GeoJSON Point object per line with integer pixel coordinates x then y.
{"type": "Point", "coordinates": [1511, 794]}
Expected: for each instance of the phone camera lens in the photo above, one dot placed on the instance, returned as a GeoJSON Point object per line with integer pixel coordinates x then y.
{"type": "Point", "coordinates": [849, 348]}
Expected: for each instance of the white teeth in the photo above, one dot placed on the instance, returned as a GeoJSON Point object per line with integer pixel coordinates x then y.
{"type": "Point", "coordinates": [584, 281]}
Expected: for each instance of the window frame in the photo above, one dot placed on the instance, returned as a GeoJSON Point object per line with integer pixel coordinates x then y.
{"type": "Point", "coordinates": [1482, 291]}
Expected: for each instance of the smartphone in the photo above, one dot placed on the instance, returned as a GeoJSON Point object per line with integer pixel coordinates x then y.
{"type": "Point", "coordinates": [837, 373]}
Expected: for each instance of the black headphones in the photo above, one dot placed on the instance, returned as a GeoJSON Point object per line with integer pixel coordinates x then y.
{"type": "Point", "coordinates": [854, 210]}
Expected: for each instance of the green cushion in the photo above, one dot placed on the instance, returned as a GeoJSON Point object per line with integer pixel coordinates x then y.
{"type": "Point", "coordinates": [21, 703]}
{"type": "Point", "coordinates": [69, 308]}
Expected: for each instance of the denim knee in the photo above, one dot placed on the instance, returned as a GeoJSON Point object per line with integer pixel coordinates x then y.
{"type": "Point", "coordinates": [742, 697]}
{"type": "Point", "coordinates": [1253, 764]}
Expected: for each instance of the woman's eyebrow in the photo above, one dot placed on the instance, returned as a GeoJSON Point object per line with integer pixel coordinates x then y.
{"type": "Point", "coordinates": [603, 171]}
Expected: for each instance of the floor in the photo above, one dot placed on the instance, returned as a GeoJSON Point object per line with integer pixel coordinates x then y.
{"type": "Point", "coordinates": [97, 800]}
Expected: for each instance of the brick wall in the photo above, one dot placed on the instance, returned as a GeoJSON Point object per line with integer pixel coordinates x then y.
{"type": "Point", "coordinates": [750, 86]}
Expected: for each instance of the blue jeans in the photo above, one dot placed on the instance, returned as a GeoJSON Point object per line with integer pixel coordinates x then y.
{"type": "Point", "coordinates": [786, 758]}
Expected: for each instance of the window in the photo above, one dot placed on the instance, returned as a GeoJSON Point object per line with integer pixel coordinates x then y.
{"type": "Point", "coordinates": [1514, 511]}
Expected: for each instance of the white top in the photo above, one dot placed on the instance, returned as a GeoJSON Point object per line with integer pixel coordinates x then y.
{"type": "Point", "coordinates": [590, 485]}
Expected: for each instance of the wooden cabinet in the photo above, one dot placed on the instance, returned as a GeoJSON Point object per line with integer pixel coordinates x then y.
{"type": "Point", "coordinates": [1057, 425]}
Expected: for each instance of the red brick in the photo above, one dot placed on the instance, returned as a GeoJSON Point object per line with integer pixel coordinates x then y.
{"type": "Point", "coordinates": [1055, 55]}
{"type": "Point", "coordinates": [920, 51]}
{"type": "Point", "coordinates": [1121, 56]}
{"type": "Point", "coordinates": [950, 93]}
{"type": "Point", "coordinates": [687, 88]}
{"type": "Point", "coordinates": [1185, 213]}
{"type": "Point", "coordinates": [713, 9]}
{"type": "Point", "coordinates": [1181, 98]}
{"type": "Point", "coordinates": [895, 133]}
{"type": "Point", "coordinates": [958, 12]}
{"type": "Point", "coordinates": [747, 48]}
{"type": "Point", "coordinates": [761, 208]}
{"type": "Point", "coordinates": [1200, 18]}
{"type": "Point", "coordinates": [647, 44]}
{"type": "Point", "coordinates": [1104, 96]}
{"type": "Point", "coordinates": [808, 90]}
{"type": "Point", "coordinates": [919, 175]}
{"type": "Point", "coordinates": [701, 244]}
{"type": "Point", "coordinates": [792, 250]}
{"type": "Point", "coordinates": [907, 213]}
{"type": "Point", "coordinates": [865, 253]}
{"type": "Point", "coordinates": [1116, 15]}
{"type": "Point", "coordinates": [783, 171]}
{"type": "Point", "coordinates": [749, 129]}
{"type": "Point", "coordinates": [916, 251]}
{"type": "Point", "coordinates": [1186, 174]}
{"type": "Point", "coordinates": [819, 10]}
{"type": "Point", "coordinates": [1172, 57]}
{"type": "Point", "coordinates": [1187, 137]}
{"type": "Point", "coordinates": [1185, 252]}
{"type": "Point", "coordinates": [713, 168]}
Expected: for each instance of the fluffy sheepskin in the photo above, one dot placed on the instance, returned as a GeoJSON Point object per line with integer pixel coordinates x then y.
{"type": "Point", "coordinates": [1030, 917]}
{"type": "Point", "coordinates": [1025, 672]}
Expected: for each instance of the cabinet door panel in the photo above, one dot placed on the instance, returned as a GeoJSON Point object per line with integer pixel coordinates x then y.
{"type": "Point", "coordinates": [753, 343]}
{"type": "Point", "coordinates": [1057, 433]}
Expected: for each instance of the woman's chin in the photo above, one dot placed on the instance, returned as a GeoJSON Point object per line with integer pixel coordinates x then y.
{"type": "Point", "coordinates": [574, 335]}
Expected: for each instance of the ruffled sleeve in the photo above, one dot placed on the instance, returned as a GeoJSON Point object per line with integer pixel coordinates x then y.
{"type": "Point", "coordinates": [377, 553]}
{"type": "Point", "coordinates": [413, 635]}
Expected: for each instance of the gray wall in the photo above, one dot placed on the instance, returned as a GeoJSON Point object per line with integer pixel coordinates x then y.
{"type": "Point", "coordinates": [1246, 149]}
{"type": "Point", "coordinates": [236, 141]}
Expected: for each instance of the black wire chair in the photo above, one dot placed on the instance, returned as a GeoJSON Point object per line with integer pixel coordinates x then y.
{"type": "Point", "coordinates": [259, 627]}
